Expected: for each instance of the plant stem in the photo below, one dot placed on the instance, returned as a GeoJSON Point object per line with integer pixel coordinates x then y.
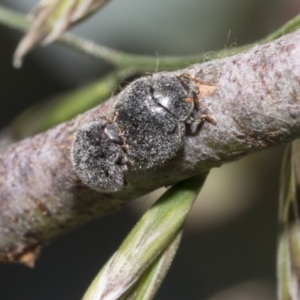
{"type": "Point", "coordinates": [140, 63]}
{"type": "Point", "coordinates": [288, 27]}
{"type": "Point", "coordinates": [119, 59]}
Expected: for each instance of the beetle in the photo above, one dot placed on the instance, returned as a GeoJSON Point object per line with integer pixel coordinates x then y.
{"type": "Point", "coordinates": [98, 157]}
{"type": "Point", "coordinates": [147, 129]}
{"type": "Point", "coordinates": [152, 113]}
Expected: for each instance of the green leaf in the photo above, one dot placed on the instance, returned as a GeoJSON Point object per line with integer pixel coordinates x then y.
{"type": "Point", "coordinates": [61, 108]}
{"type": "Point", "coordinates": [154, 232]}
{"type": "Point", "coordinates": [289, 227]}
{"type": "Point", "coordinates": [148, 284]}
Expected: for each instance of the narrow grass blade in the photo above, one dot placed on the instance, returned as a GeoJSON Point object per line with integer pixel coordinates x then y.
{"type": "Point", "coordinates": [148, 285]}
{"type": "Point", "coordinates": [148, 239]}
{"type": "Point", "coordinates": [289, 227]}
{"type": "Point", "coordinates": [61, 108]}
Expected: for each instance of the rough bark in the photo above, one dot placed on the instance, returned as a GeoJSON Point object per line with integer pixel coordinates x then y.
{"type": "Point", "coordinates": [245, 103]}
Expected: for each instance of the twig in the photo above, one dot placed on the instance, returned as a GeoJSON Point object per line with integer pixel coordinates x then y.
{"type": "Point", "coordinates": [119, 59]}
{"type": "Point", "coordinates": [123, 60]}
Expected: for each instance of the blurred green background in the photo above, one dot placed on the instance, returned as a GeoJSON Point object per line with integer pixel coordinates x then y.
{"type": "Point", "coordinates": [228, 251]}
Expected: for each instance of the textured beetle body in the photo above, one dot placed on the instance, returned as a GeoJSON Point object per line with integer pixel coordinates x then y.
{"type": "Point", "coordinates": [147, 130]}
{"type": "Point", "coordinates": [152, 134]}
{"type": "Point", "coordinates": [175, 94]}
{"type": "Point", "coordinates": [99, 161]}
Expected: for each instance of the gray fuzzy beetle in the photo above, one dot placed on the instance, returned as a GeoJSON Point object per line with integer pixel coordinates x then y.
{"type": "Point", "coordinates": [147, 130]}
{"type": "Point", "coordinates": [151, 114]}
{"type": "Point", "coordinates": [98, 157]}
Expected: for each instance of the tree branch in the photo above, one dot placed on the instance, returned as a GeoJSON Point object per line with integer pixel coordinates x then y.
{"type": "Point", "coordinates": [245, 103]}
